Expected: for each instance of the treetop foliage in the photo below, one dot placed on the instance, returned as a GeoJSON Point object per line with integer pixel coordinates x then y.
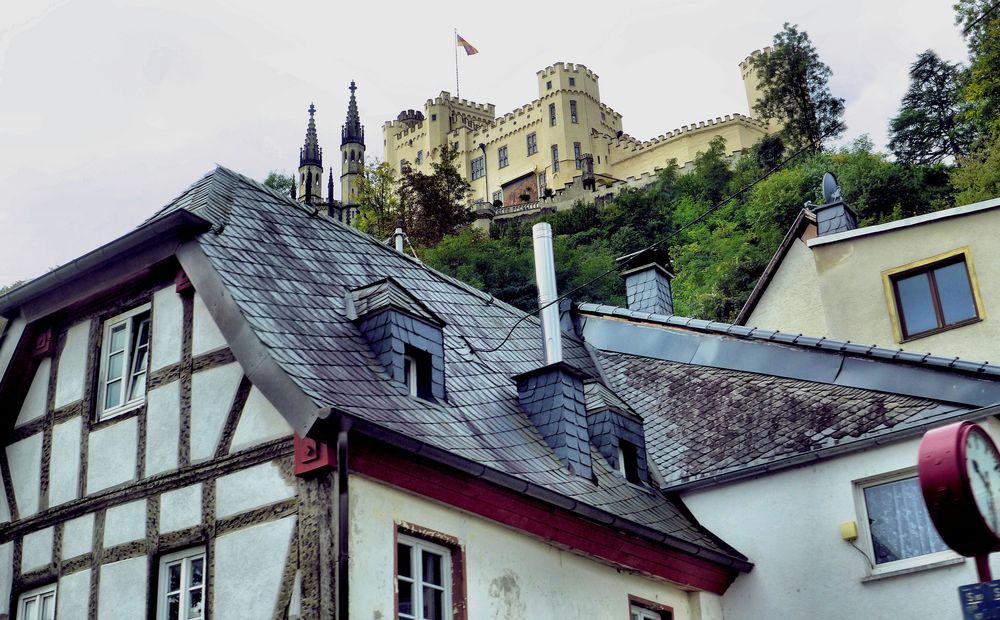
{"type": "Point", "coordinates": [794, 90]}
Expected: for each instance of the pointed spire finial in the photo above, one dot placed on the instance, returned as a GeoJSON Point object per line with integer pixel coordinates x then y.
{"type": "Point", "coordinates": [352, 131]}
{"type": "Point", "coordinates": [311, 154]}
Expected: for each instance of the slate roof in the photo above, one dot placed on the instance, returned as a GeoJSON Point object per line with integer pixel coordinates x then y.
{"type": "Point", "coordinates": [703, 422]}
{"type": "Point", "coordinates": [288, 270]}
{"type": "Point", "coordinates": [387, 294]}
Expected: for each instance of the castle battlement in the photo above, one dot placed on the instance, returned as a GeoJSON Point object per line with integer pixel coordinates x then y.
{"type": "Point", "coordinates": [745, 63]}
{"type": "Point", "coordinates": [566, 67]}
{"type": "Point", "coordinates": [445, 98]}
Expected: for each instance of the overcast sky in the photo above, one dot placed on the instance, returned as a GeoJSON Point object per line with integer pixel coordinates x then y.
{"type": "Point", "coordinates": [110, 108]}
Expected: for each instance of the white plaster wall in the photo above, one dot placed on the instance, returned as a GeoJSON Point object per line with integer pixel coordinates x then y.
{"type": "Point", "coordinates": [111, 455]}
{"type": "Point", "coordinates": [6, 575]}
{"type": "Point", "coordinates": [212, 393]}
{"type": "Point", "coordinates": [509, 575]}
{"type": "Point", "coordinates": [792, 301]}
{"type": "Point", "coordinates": [78, 536]}
{"type": "Point", "coordinates": [249, 563]}
{"type": "Point", "coordinates": [36, 549]}
{"type": "Point", "coordinates": [787, 523]}
{"type": "Point", "coordinates": [259, 422]}
{"type": "Point", "coordinates": [25, 460]}
{"type": "Point", "coordinates": [168, 328]}
{"type": "Point", "coordinates": [163, 427]}
{"type": "Point", "coordinates": [36, 399]}
{"type": "Point", "coordinates": [251, 488]}
{"type": "Point", "coordinates": [125, 523]}
{"type": "Point", "coordinates": [73, 596]}
{"type": "Point", "coordinates": [122, 593]}
{"type": "Point", "coordinates": [64, 466]}
{"type": "Point", "coordinates": [854, 295]}
{"type": "Point", "coordinates": [180, 509]}
{"type": "Point", "coordinates": [205, 334]}
{"type": "Point", "coordinates": [72, 367]}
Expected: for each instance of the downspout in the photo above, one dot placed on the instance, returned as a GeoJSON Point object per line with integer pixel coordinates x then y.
{"type": "Point", "coordinates": [343, 521]}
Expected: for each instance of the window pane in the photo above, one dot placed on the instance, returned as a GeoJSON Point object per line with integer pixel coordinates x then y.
{"type": "Point", "coordinates": [405, 566]}
{"type": "Point", "coordinates": [917, 305]}
{"type": "Point", "coordinates": [117, 342]}
{"type": "Point", "coordinates": [405, 599]}
{"type": "Point", "coordinates": [113, 394]}
{"type": "Point", "coordinates": [433, 604]}
{"type": "Point", "coordinates": [174, 577]}
{"type": "Point", "coordinates": [955, 293]}
{"type": "Point", "coordinates": [138, 386]}
{"type": "Point", "coordinates": [116, 363]}
{"type": "Point", "coordinates": [197, 566]}
{"type": "Point", "coordinates": [48, 607]}
{"type": "Point", "coordinates": [194, 606]}
{"type": "Point", "coordinates": [432, 568]}
{"type": "Point", "coordinates": [899, 523]}
{"type": "Point", "coordinates": [174, 606]}
{"type": "Point", "coordinates": [31, 608]}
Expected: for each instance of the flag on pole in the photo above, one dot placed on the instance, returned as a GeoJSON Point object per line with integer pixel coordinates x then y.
{"type": "Point", "coordinates": [469, 50]}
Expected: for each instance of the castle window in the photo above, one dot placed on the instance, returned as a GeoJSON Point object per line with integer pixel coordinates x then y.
{"type": "Point", "coordinates": [548, 85]}
{"type": "Point", "coordinates": [454, 145]}
{"type": "Point", "coordinates": [541, 184]}
{"type": "Point", "coordinates": [124, 358]}
{"type": "Point", "coordinates": [532, 143]}
{"type": "Point", "coordinates": [572, 81]}
{"type": "Point", "coordinates": [478, 167]}
{"type": "Point", "coordinates": [572, 112]}
{"type": "Point", "coordinates": [497, 196]}
{"type": "Point", "coordinates": [576, 155]}
{"type": "Point", "coordinates": [555, 158]}
{"type": "Point", "coordinates": [420, 157]}
{"type": "Point", "coordinates": [434, 117]}
{"type": "Point", "coordinates": [502, 156]}
{"type": "Point", "coordinates": [552, 115]}
{"type": "Point", "coordinates": [602, 116]}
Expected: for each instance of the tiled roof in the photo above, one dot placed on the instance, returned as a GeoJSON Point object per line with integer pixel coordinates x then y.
{"type": "Point", "coordinates": [288, 270]}
{"type": "Point", "coordinates": [703, 422]}
{"type": "Point", "coordinates": [387, 294]}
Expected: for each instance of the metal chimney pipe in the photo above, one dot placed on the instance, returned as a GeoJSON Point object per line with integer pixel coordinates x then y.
{"type": "Point", "coordinates": [398, 238]}
{"type": "Point", "coordinates": [545, 277]}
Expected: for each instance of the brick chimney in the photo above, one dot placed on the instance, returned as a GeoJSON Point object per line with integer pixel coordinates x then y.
{"type": "Point", "coordinates": [647, 281]}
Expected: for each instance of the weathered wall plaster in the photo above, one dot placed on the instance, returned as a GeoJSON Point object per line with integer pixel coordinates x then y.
{"type": "Point", "coordinates": [33, 406]}
{"type": "Point", "coordinates": [111, 455]}
{"type": "Point", "coordinates": [249, 564]}
{"type": "Point", "coordinates": [122, 593]}
{"type": "Point", "coordinates": [251, 488]}
{"type": "Point", "coordinates": [168, 328]}
{"type": "Point", "coordinates": [72, 367]}
{"type": "Point", "coordinates": [163, 426]}
{"type": "Point", "coordinates": [73, 596]}
{"type": "Point", "coordinates": [259, 422]}
{"type": "Point", "coordinates": [78, 536]}
{"type": "Point", "coordinates": [64, 465]}
{"type": "Point", "coordinates": [36, 549]}
{"type": "Point", "coordinates": [180, 509]}
{"type": "Point", "coordinates": [212, 393]}
{"type": "Point", "coordinates": [205, 334]}
{"type": "Point", "coordinates": [25, 460]}
{"type": "Point", "coordinates": [125, 523]}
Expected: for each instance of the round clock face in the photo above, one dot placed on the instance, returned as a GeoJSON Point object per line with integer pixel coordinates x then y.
{"type": "Point", "coordinates": [982, 463]}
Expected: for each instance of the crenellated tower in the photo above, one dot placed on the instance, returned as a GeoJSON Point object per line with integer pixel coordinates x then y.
{"type": "Point", "coordinates": [352, 150]}
{"type": "Point", "coordinates": [311, 165]}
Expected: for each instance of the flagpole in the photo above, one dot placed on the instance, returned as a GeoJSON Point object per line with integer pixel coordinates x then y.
{"type": "Point", "coordinates": [454, 44]}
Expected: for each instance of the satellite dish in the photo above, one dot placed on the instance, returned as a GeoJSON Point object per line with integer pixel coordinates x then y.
{"type": "Point", "coordinates": [831, 190]}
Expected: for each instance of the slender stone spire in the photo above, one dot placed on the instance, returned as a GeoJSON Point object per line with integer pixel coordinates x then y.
{"type": "Point", "coordinates": [311, 154]}
{"type": "Point", "coordinates": [329, 187]}
{"type": "Point", "coordinates": [352, 131]}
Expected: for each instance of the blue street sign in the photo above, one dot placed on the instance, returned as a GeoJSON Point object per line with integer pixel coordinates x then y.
{"type": "Point", "coordinates": [980, 601]}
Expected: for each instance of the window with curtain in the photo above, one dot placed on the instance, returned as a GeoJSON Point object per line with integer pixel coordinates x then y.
{"type": "Point", "coordinates": [898, 522]}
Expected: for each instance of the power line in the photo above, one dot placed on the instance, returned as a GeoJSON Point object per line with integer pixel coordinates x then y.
{"type": "Point", "coordinates": [966, 30]}
{"type": "Point", "coordinates": [653, 246]}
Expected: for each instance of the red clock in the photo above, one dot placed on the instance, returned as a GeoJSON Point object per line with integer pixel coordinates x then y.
{"type": "Point", "coordinates": [959, 470]}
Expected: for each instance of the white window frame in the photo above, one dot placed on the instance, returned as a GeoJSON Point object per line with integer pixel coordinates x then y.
{"type": "Point", "coordinates": [410, 374]}
{"type": "Point", "coordinates": [185, 557]}
{"type": "Point", "coordinates": [864, 541]}
{"type": "Point", "coordinates": [39, 596]}
{"type": "Point", "coordinates": [638, 612]}
{"type": "Point", "coordinates": [418, 545]}
{"type": "Point", "coordinates": [130, 322]}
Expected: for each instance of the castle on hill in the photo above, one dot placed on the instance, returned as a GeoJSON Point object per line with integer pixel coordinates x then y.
{"type": "Point", "coordinates": [352, 162]}
{"type": "Point", "coordinates": [566, 138]}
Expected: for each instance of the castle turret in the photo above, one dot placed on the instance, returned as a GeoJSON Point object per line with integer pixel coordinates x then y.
{"type": "Point", "coordinates": [751, 83]}
{"type": "Point", "coordinates": [352, 151]}
{"type": "Point", "coordinates": [311, 164]}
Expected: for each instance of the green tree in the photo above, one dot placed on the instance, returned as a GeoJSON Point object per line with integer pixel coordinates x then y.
{"type": "Point", "coordinates": [979, 177]}
{"type": "Point", "coordinates": [794, 90]}
{"type": "Point", "coordinates": [928, 128]}
{"type": "Point", "coordinates": [378, 200]}
{"type": "Point", "coordinates": [280, 182]}
{"type": "Point", "coordinates": [982, 91]}
{"type": "Point", "coordinates": [434, 204]}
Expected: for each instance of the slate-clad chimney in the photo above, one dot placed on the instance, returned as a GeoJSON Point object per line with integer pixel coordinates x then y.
{"type": "Point", "coordinates": [834, 216]}
{"type": "Point", "coordinates": [647, 281]}
{"type": "Point", "coordinates": [552, 396]}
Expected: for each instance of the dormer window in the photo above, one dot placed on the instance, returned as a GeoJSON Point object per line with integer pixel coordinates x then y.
{"type": "Point", "coordinates": [124, 362]}
{"type": "Point", "coordinates": [628, 461]}
{"type": "Point", "coordinates": [404, 334]}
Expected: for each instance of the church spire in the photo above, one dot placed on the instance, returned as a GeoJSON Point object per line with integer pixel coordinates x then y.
{"type": "Point", "coordinates": [311, 154]}
{"type": "Point", "coordinates": [352, 131]}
